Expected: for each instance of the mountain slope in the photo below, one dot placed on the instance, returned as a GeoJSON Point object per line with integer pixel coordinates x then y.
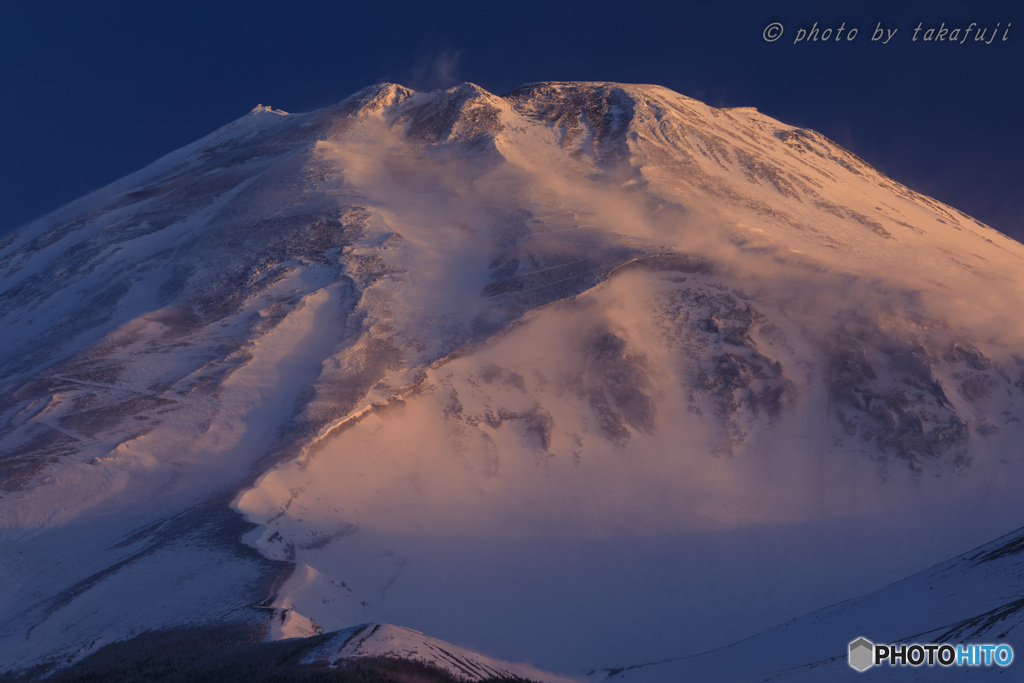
{"type": "Point", "coordinates": [591, 351]}
{"type": "Point", "coordinates": [974, 598]}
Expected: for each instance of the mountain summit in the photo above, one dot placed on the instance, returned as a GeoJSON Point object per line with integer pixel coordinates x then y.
{"type": "Point", "coordinates": [587, 374]}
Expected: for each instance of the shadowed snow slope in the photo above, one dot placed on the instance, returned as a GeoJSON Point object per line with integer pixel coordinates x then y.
{"type": "Point", "coordinates": [386, 640]}
{"type": "Point", "coordinates": [585, 375]}
{"type": "Point", "coordinates": [974, 598]}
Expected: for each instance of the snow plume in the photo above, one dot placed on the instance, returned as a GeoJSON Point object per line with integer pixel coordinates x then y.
{"type": "Point", "coordinates": [452, 225]}
{"type": "Point", "coordinates": [436, 69]}
{"type": "Point", "coordinates": [684, 386]}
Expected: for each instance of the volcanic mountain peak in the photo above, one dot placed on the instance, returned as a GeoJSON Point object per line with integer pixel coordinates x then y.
{"type": "Point", "coordinates": [578, 350]}
{"type": "Point", "coordinates": [267, 109]}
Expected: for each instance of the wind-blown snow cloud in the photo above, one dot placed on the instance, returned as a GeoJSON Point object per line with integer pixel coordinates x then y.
{"type": "Point", "coordinates": [436, 69]}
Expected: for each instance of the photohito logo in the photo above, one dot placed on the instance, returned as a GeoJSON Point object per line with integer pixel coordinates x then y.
{"type": "Point", "coordinates": [864, 654]}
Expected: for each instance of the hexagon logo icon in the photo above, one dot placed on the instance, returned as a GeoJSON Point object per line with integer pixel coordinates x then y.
{"type": "Point", "coordinates": [862, 654]}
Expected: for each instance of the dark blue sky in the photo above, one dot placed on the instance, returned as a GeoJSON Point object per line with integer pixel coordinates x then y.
{"type": "Point", "coordinates": [93, 91]}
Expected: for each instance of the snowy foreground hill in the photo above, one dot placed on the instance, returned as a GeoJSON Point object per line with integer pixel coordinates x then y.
{"type": "Point", "coordinates": [587, 375]}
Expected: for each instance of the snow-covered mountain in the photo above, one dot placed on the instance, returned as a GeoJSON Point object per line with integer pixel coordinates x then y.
{"type": "Point", "coordinates": [587, 375]}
